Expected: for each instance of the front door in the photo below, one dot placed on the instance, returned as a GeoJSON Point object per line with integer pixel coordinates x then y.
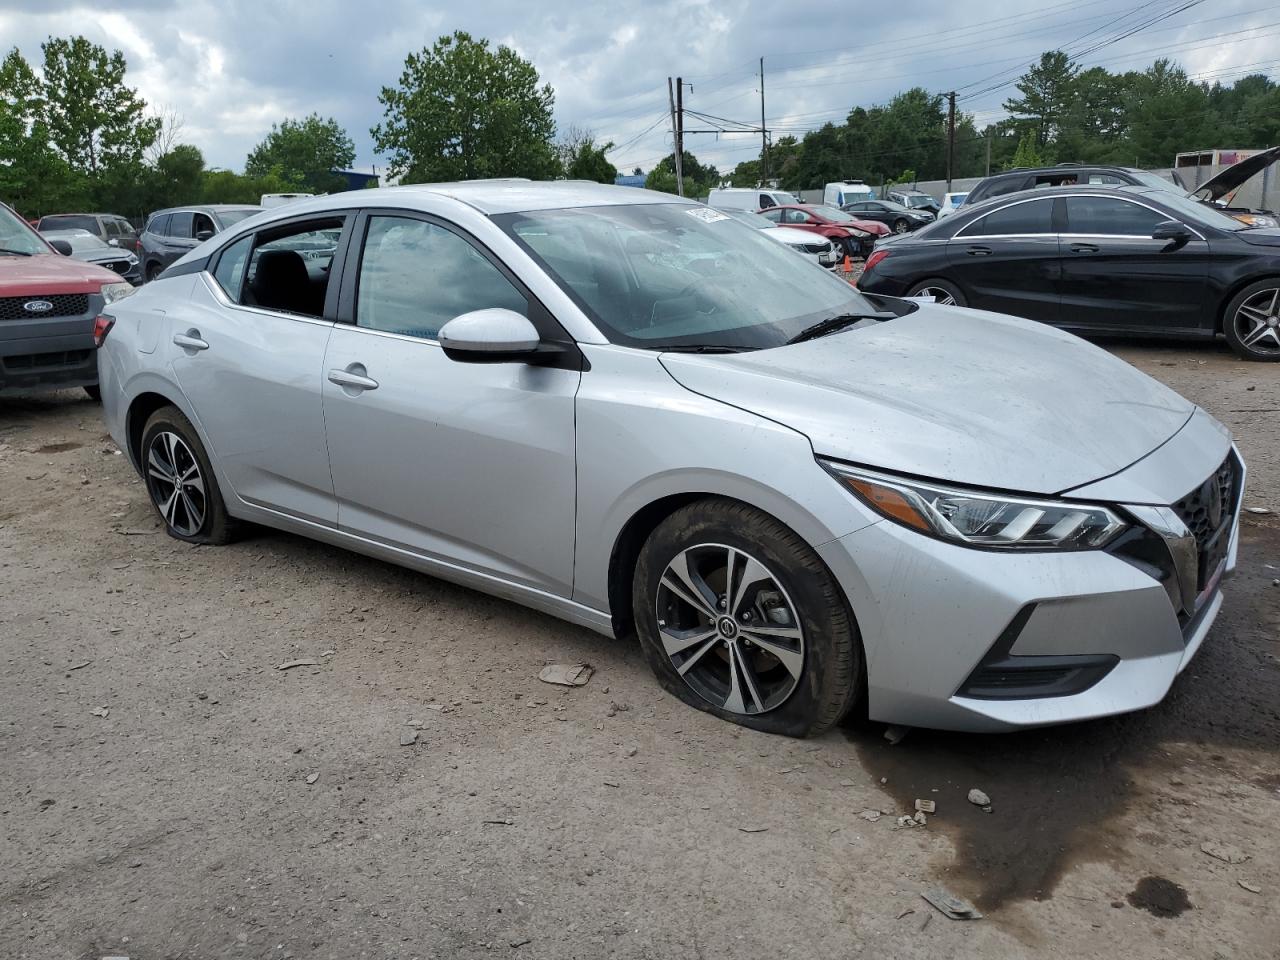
{"type": "Point", "coordinates": [248, 350]}
{"type": "Point", "coordinates": [1008, 261]}
{"type": "Point", "coordinates": [470, 464]}
{"type": "Point", "coordinates": [1115, 276]}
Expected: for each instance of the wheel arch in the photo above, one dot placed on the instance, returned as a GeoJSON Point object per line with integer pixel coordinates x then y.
{"type": "Point", "coordinates": [1220, 316]}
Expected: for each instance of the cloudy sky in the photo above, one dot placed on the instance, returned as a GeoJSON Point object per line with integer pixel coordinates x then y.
{"type": "Point", "coordinates": [232, 67]}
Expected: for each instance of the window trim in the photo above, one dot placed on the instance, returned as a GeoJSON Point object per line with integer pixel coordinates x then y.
{"type": "Point", "coordinates": [1121, 236]}
{"type": "Point", "coordinates": [1050, 198]}
{"type": "Point", "coordinates": [550, 331]}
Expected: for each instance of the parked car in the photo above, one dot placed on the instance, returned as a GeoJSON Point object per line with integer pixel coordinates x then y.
{"type": "Point", "coordinates": [602, 403]}
{"type": "Point", "coordinates": [1130, 260]}
{"type": "Point", "coordinates": [894, 215]}
{"type": "Point", "coordinates": [49, 305]}
{"type": "Point", "coordinates": [744, 198]}
{"type": "Point", "coordinates": [85, 246]}
{"type": "Point", "coordinates": [951, 202]}
{"type": "Point", "coordinates": [110, 228]}
{"type": "Point", "coordinates": [821, 250]}
{"type": "Point", "coordinates": [171, 233]}
{"type": "Point", "coordinates": [846, 191]}
{"type": "Point", "coordinates": [914, 200]}
{"type": "Point", "coordinates": [854, 236]}
{"type": "Point", "coordinates": [1212, 191]}
{"type": "Point", "coordinates": [269, 200]}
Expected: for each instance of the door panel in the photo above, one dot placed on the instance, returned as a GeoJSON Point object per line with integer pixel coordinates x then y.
{"type": "Point", "coordinates": [1115, 276]}
{"type": "Point", "coordinates": [471, 463]}
{"type": "Point", "coordinates": [256, 392]}
{"type": "Point", "coordinates": [1008, 261]}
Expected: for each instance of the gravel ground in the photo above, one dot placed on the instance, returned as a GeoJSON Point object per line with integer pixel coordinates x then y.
{"type": "Point", "coordinates": [167, 791]}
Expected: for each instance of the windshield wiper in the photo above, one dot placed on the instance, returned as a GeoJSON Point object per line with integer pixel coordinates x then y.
{"type": "Point", "coordinates": [838, 322]}
{"type": "Point", "coordinates": [16, 253]}
{"type": "Point", "coordinates": [703, 348]}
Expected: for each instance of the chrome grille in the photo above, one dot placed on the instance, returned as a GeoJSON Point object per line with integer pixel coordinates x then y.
{"type": "Point", "coordinates": [63, 305]}
{"type": "Point", "coordinates": [1209, 511]}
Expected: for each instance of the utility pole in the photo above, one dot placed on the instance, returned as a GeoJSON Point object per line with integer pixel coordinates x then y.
{"type": "Point", "coordinates": [951, 136]}
{"type": "Point", "coordinates": [764, 135]}
{"type": "Point", "coordinates": [988, 150]}
{"type": "Point", "coordinates": [675, 137]}
{"type": "Point", "coordinates": [680, 136]}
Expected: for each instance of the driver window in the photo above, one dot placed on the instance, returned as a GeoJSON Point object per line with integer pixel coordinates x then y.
{"type": "Point", "coordinates": [773, 214]}
{"type": "Point", "coordinates": [795, 216]}
{"type": "Point", "coordinates": [416, 276]}
{"type": "Point", "coordinates": [289, 267]}
{"type": "Point", "coordinates": [203, 223]}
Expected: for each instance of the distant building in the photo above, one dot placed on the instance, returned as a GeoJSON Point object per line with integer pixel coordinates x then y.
{"type": "Point", "coordinates": [357, 180]}
{"type": "Point", "coordinates": [629, 180]}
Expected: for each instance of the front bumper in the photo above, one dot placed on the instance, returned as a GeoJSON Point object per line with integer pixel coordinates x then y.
{"type": "Point", "coordinates": [964, 639]}
{"type": "Point", "coordinates": [48, 353]}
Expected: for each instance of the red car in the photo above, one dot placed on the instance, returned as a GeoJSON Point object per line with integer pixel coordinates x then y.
{"type": "Point", "coordinates": [855, 237]}
{"type": "Point", "coordinates": [50, 307]}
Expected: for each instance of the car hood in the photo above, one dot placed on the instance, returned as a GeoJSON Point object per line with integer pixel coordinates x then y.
{"type": "Point", "coordinates": [953, 394]}
{"type": "Point", "coordinates": [1260, 236]}
{"type": "Point", "coordinates": [872, 226]}
{"type": "Point", "coordinates": [1229, 179]}
{"type": "Point", "coordinates": [793, 236]}
{"type": "Point", "coordinates": [47, 273]}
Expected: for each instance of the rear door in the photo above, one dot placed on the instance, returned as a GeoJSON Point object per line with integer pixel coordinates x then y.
{"type": "Point", "coordinates": [469, 464]}
{"type": "Point", "coordinates": [178, 239]}
{"type": "Point", "coordinates": [1008, 260]}
{"type": "Point", "coordinates": [1114, 275]}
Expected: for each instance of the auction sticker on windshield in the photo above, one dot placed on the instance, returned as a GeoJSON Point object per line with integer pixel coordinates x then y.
{"type": "Point", "coordinates": [706, 214]}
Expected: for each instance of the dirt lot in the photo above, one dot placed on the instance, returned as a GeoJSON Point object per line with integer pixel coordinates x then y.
{"type": "Point", "coordinates": [166, 791]}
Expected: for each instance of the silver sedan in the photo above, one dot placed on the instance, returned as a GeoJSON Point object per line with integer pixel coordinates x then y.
{"type": "Point", "coordinates": [637, 414]}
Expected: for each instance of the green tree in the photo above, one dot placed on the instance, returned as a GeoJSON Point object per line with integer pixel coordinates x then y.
{"type": "Point", "coordinates": [698, 179]}
{"type": "Point", "coordinates": [33, 177]}
{"type": "Point", "coordinates": [1046, 94]}
{"type": "Point", "coordinates": [1027, 154]}
{"type": "Point", "coordinates": [179, 176]}
{"type": "Point", "coordinates": [95, 120]}
{"type": "Point", "coordinates": [463, 111]}
{"type": "Point", "coordinates": [305, 152]}
{"type": "Point", "coordinates": [591, 163]}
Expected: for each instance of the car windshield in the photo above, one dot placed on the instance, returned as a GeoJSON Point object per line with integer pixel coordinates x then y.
{"type": "Point", "coordinates": [80, 240]}
{"type": "Point", "coordinates": [16, 235]}
{"type": "Point", "coordinates": [918, 200]}
{"type": "Point", "coordinates": [1202, 213]}
{"type": "Point", "coordinates": [69, 221]}
{"type": "Point", "coordinates": [751, 219]}
{"type": "Point", "coordinates": [834, 214]}
{"type": "Point", "coordinates": [1148, 179]}
{"type": "Point", "coordinates": [231, 217]}
{"type": "Point", "coordinates": [670, 275]}
{"type": "Point", "coordinates": [956, 198]}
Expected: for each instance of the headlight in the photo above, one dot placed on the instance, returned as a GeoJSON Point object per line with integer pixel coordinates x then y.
{"type": "Point", "coordinates": [976, 519]}
{"type": "Point", "coordinates": [1255, 219]}
{"type": "Point", "coordinates": [111, 292]}
{"type": "Point", "coordinates": [132, 260]}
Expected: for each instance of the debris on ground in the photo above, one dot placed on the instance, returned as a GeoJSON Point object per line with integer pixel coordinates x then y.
{"type": "Point", "coordinates": [499, 823]}
{"type": "Point", "coordinates": [631, 751]}
{"type": "Point", "coordinates": [312, 778]}
{"type": "Point", "coordinates": [925, 806]}
{"type": "Point", "coordinates": [1262, 511]}
{"type": "Point", "coordinates": [101, 712]}
{"type": "Point", "coordinates": [80, 666]}
{"type": "Point", "coordinates": [978, 798]}
{"type": "Point", "coordinates": [290, 664]}
{"type": "Point", "coordinates": [1224, 852]}
{"type": "Point", "coordinates": [871, 816]}
{"type": "Point", "coordinates": [519, 943]}
{"type": "Point", "coordinates": [1251, 887]}
{"type": "Point", "coordinates": [920, 818]}
{"type": "Point", "coordinates": [408, 738]}
{"type": "Point", "coordinates": [894, 734]}
{"type": "Point", "coordinates": [949, 905]}
{"type": "Point", "coordinates": [753, 829]}
{"type": "Point", "coordinates": [566, 674]}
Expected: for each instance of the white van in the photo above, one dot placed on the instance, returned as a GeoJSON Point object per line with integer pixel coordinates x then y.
{"type": "Point", "coordinates": [846, 191]}
{"type": "Point", "coordinates": [280, 199]}
{"type": "Point", "coordinates": [747, 198]}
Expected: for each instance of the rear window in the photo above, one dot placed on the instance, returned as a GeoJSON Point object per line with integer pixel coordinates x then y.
{"type": "Point", "coordinates": [69, 222]}
{"type": "Point", "coordinates": [180, 224]}
{"type": "Point", "coordinates": [1029, 216]}
{"type": "Point", "coordinates": [159, 224]}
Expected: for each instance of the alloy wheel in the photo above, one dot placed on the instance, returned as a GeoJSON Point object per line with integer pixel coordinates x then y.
{"type": "Point", "coordinates": [900, 227]}
{"type": "Point", "coordinates": [939, 295]}
{"type": "Point", "coordinates": [175, 483]}
{"type": "Point", "coordinates": [1257, 322]}
{"type": "Point", "coordinates": [729, 629]}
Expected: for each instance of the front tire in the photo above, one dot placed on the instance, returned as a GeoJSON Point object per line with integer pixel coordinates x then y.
{"type": "Point", "coordinates": [943, 292]}
{"type": "Point", "coordinates": [153, 271]}
{"type": "Point", "coordinates": [739, 617]}
{"type": "Point", "coordinates": [180, 480]}
{"type": "Point", "coordinates": [1251, 321]}
{"type": "Point", "coordinates": [901, 226]}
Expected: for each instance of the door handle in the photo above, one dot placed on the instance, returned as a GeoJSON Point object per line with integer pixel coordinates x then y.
{"type": "Point", "coordinates": [978, 251]}
{"type": "Point", "coordinates": [353, 378]}
{"type": "Point", "coordinates": [191, 340]}
{"type": "Point", "coordinates": [1084, 248]}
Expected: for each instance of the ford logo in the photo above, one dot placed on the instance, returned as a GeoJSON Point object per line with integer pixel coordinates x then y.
{"type": "Point", "coordinates": [37, 306]}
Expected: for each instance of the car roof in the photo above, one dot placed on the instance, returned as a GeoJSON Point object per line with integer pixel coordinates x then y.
{"type": "Point", "coordinates": [67, 233]}
{"type": "Point", "coordinates": [208, 207]}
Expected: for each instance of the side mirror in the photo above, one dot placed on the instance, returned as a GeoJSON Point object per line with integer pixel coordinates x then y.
{"type": "Point", "coordinates": [1171, 230]}
{"type": "Point", "coordinates": [61, 246]}
{"type": "Point", "coordinates": [203, 235]}
{"type": "Point", "coordinates": [493, 335]}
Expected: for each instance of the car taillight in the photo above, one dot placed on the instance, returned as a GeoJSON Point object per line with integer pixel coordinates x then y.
{"type": "Point", "coordinates": [875, 258]}
{"type": "Point", "coordinates": [101, 327]}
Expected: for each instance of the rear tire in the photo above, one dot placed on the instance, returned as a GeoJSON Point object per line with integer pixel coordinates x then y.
{"type": "Point", "coordinates": [180, 481]}
{"type": "Point", "coordinates": [153, 271]}
{"type": "Point", "coordinates": [901, 226]}
{"type": "Point", "coordinates": [94, 391]}
{"type": "Point", "coordinates": [1251, 321]}
{"type": "Point", "coordinates": [792, 663]}
{"type": "Point", "coordinates": [944, 292]}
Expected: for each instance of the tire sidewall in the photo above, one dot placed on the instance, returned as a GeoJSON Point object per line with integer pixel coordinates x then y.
{"type": "Point", "coordinates": [171, 420]}
{"type": "Point", "coordinates": [1229, 321]}
{"type": "Point", "coordinates": [823, 631]}
{"type": "Point", "coordinates": [947, 285]}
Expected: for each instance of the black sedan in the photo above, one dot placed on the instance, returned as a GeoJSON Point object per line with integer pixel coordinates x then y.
{"type": "Point", "coordinates": [898, 218]}
{"type": "Point", "coordinates": [1121, 260]}
{"type": "Point", "coordinates": [83, 245]}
